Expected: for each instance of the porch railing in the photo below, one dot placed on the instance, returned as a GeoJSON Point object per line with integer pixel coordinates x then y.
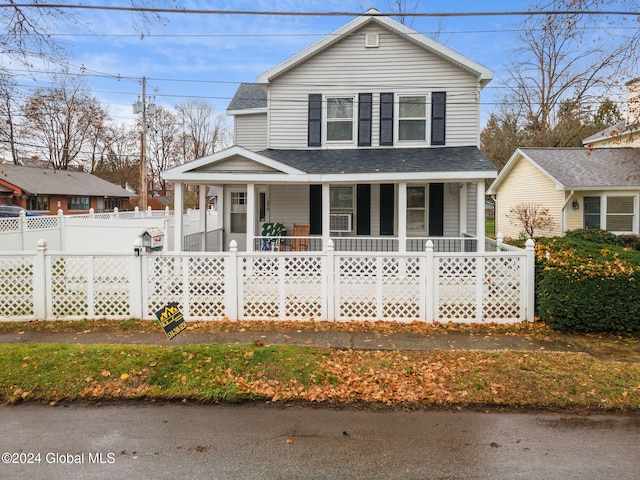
{"type": "Point", "coordinates": [365, 244]}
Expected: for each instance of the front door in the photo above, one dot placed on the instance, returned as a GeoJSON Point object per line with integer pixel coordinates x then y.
{"type": "Point", "coordinates": [236, 216]}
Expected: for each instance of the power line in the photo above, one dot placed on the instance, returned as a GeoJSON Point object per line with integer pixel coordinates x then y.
{"type": "Point", "coordinates": [317, 14]}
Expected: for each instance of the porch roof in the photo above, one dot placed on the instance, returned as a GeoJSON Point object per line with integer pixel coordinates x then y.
{"type": "Point", "coordinates": [384, 160]}
{"type": "Point", "coordinates": [240, 165]}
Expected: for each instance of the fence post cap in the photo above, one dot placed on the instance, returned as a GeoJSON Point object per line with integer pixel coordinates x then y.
{"type": "Point", "coordinates": [530, 244]}
{"type": "Point", "coordinates": [330, 245]}
{"type": "Point", "coordinates": [233, 246]}
{"type": "Point", "coordinates": [429, 245]}
{"type": "Point", "coordinates": [42, 244]}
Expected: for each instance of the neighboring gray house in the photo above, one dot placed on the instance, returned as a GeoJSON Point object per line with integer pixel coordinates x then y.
{"type": "Point", "coordinates": [368, 137]}
{"type": "Point", "coordinates": [580, 187]}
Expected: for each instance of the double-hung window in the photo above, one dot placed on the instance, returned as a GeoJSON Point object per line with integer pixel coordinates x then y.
{"type": "Point", "coordinates": [620, 214]}
{"type": "Point", "coordinates": [611, 212]}
{"type": "Point", "coordinates": [412, 118]}
{"type": "Point", "coordinates": [340, 119]}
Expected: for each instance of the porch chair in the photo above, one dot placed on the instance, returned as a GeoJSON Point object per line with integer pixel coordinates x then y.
{"type": "Point", "coordinates": [300, 244]}
{"type": "Point", "coordinates": [272, 232]}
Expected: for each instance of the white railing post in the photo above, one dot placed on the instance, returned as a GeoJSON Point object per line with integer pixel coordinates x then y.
{"type": "Point", "coordinates": [116, 213]}
{"type": "Point", "coordinates": [499, 241]}
{"type": "Point", "coordinates": [62, 227]}
{"type": "Point", "coordinates": [531, 280]}
{"type": "Point", "coordinates": [23, 229]}
{"type": "Point", "coordinates": [331, 282]}
{"type": "Point", "coordinates": [231, 281]}
{"type": "Point", "coordinates": [40, 281]}
{"type": "Point", "coordinates": [136, 212]}
{"type": "Point", "coordinates": [429, 283]}
{"type": "Point", "coordinates": [136, 281]}
{"type": "Point", "coordinates": [92, 213]}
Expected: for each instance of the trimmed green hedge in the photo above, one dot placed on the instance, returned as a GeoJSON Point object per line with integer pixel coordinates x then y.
{"type": "Point", "coordinates": [584, 286]}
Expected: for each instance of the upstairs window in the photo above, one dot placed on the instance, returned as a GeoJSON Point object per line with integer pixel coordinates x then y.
{"type": "Point", "coordinates": [412, 118]}
{"type": "Point", "coordinates": [340, 119]}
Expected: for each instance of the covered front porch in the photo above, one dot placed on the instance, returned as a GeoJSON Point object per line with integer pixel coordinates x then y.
{"type": "Point", "coordinates": [267, 205]}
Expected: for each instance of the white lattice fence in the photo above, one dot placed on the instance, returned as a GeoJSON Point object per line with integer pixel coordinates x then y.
{"type": "Point", "coordinates": [16, 286]}
{"type": "Point", "coordinates": [286, 286]}
{"type": "Point", "coordinates": [380, 287]}
{"type": "Point", "coordinates": [427, 286]}
{"type": "Point", "coordinates": [88, 286]}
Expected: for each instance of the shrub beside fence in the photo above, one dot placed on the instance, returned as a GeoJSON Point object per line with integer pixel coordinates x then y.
{"type": "Point", "coordinates": [585, 286]}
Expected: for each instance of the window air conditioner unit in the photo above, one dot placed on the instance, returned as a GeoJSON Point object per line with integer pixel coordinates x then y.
{"type": "Point", "coordinates": [340, 222]}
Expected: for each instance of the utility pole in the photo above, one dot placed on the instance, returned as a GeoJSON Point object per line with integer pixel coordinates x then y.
{"type": "Point", "coordinates": [143, 146]}
{"type": "Point", "coordinates": [141, 107]}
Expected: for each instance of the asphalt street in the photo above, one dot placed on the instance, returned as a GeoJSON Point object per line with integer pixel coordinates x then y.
{"type": "Point", "coordinates": [263, 441]}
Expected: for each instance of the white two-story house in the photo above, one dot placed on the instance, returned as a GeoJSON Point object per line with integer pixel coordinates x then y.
{"type": "Point", "coordinates": [369, 137]}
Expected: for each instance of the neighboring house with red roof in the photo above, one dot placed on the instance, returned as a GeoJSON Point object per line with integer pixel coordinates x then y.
{"type": "Point", "coordinates": [369, 137]}
{"type": "Point", "coordinates": [46, 191]}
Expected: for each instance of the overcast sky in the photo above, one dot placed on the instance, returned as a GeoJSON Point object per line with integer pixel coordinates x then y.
{"type": "Point", "coordinates": [197, 56]}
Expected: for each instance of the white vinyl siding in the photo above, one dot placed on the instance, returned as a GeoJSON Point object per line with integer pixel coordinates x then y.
{"type": "Point", "coordinates": [396, 66]}
{"type": "Point", "coordinates": [237, 164]}
{"type": "Point", "coordinates": [289, 204]}
{"type": "Point", "coordinates": [251, 131]}
{"type": "Point", "coordinates": [527, 184]}
{"type": "Point", "coordinates": [451, 227]}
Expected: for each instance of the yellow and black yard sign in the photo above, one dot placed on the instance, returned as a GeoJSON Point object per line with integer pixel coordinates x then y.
{"type": "Point", "coordinates": [171, 320]}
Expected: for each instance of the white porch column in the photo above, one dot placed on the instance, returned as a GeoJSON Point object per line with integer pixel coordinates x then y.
{"type": "Point", "coordinates": [326, 214]}
{"type": "Point", "coordinates": [202, 209]}
{"type": "Point", "coordinates": [251, 216]}
{"type": "Point", "coordinates": [463, 209]}
{"type": "Point", "coordinates": [177, 217]}
{"type": "Point", "coordinates": [480, 215]}
{"type": "Point", "coordinates": [402, 217]}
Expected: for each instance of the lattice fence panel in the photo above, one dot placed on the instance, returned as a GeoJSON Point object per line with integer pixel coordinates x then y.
{"type": "Point", "coordinates": [16, 287]}
{"type": "Point", "coordinates": [111, 287]}
{"type": "Point", "coordinates": [40, 223]}
{"type": "Point", "coordinates": [457, 288]}
{"type": "Point", "coordinates": [9, 224]}
{"type": "Point", "coordinates": [260, 287]}
{"type": "Point", "coordinates": [207, 287]}
{"type": "Point", "coordinates": [165, 282]}
{"type": "Point", "coordinates": [502, 289]}
{"type": "Point", "coordinates": [357, 287]}
{"type": "Point", "coordinates": [304, 288]}
{"type": "Point", "coordinates": [69, 286]}
{"type": "Point", "coordinates": [402, 288]}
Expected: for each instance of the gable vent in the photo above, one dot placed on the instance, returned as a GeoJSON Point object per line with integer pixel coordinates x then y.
{"type": "Point", "coordinates": [372, 40]}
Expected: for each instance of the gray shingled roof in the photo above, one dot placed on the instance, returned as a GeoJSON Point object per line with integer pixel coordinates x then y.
{"type": "Point", "coordinates": [585, 167]}
{"type": "Point", "coordinates": [42, 181]}
{"type": "Point", "coordinates": [248, 96]}
{"type": "Point", "coordinates": [384, 160]}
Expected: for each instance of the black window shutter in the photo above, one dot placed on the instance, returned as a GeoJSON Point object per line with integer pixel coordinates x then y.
{"type": "Point", "coordinates": [438, 117]}
{"type": "Point", "coordinates": [314, 134]}
{"type": "Point", "coordinates": [386, 119]}
{"type": "Point", "coordinates": [436, 209]}
{"type": "Point", "coordinates": [365, 101]}
{"type": "Point", "coordinates": [387, 208]}
{"type": "Point", "coordinates": [363, 209]}
{"type": "Point", "coordinates": [315, 209]}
